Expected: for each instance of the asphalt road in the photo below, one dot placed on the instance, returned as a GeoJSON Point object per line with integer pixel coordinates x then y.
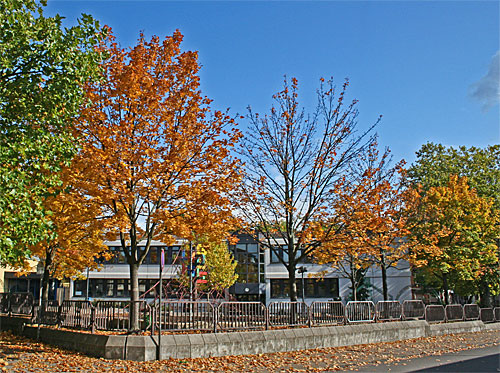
{"type": "Point", "coordinates": [475, 360]}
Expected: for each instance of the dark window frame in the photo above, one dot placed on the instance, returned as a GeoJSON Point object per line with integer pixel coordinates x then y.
{"type": "Point", "coordinates": [313, 288]}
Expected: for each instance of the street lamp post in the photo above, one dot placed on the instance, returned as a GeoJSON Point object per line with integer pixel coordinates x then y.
{"type": "Point", "coordinates": [162, 265]}
{"type": "Point", "coordinates": [303, 270]}
{"type": "Point", "coordinates": [87, 286]}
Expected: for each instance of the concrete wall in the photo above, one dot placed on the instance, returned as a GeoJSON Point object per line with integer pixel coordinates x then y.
{"type": "Point", "coordinates": [143, 348]}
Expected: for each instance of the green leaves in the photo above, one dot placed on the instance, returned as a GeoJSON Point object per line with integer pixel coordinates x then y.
{"type": "Point", "coordinates": [42, 69]}
{"type": "Point", "coordinates": [455, 236]}
{"type": "Point", "coordinates": [435, 163]}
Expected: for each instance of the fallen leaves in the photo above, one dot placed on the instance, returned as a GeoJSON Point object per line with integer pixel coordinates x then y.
{"type": "Point", "coordinates": [18, 354]}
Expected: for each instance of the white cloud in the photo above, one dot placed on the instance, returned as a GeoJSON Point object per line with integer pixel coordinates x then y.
{"type": "Point", "coordinates": [487, 89]}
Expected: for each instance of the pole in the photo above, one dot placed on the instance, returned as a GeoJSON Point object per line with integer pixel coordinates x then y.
{"type": "Point", "coordinates": [39, 271]}
{"type": "Point", "coordinates": [303, 270]}
{"type": "Point", "coordinates": [303, 290]}
{"type": "Point", "coordinates": [162, 263]}
{"type": "Point", "coordinates": [190, 282]}
{"type": "Point", "coordinates": [190, 270]}
{"type": "Point", "coordinates": [87, 290]}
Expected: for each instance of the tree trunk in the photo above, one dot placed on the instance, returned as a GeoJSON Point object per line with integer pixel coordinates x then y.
{"type": "Point", "coordinates": [354, 290]}
{"type": "Point", "coordinates": [46, 277]}
{"type": "Point", "coordinates": [292, 283]}
{"type": "Point", "coordinates": [445, 288]}
{"type": "Point", "coordinates": [384, 282]}
{"type": "Point", "coordinates": [485, 295]}
{"type": "Point", "coordinates": [383, 269]}
{"type": "Point", "coordinates": [134, 297]}
{"type": "Point", "coordinates": [353, 274]}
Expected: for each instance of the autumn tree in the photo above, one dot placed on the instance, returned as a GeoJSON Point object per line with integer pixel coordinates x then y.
{"type": "Point", "coordinates": [220, 266]}
{"type": "Point", "coordinates": [387, 207]}
{"type": "Point", "coordinates": [76, 240]}
{"type": "Point", "coordinates": [156, 157]}
{"type": "Point", "coordinates": [42, 69]}
{"type": "Point", "coordinates": [348, 249]}
{"type": "Point", "coordinates": [435, 164]}
{"type": "Point", "coordinates": [293, 164]}
{"type": "Point", "coordinates": [455, 232]}
{"type": "Point", "coordinates": [371, 215]}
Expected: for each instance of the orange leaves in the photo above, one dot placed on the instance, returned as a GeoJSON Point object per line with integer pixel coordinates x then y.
{"type": "Point", "coordinates": [369, 217]}
{"type": "Point", "coordinates": [455, 230]}
{"type": "Point", "coordinates": [154, 154]}
{"type": "Point", "coordinates": [77, 231]}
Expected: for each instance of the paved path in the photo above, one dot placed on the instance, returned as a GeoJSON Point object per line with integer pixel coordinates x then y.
{"type": "Point", "coordinates": [485, 359]}
{"type": "Point", "coordinates": [18, 354]}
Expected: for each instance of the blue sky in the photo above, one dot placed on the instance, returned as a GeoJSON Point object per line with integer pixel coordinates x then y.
{"type": "Point", "coordinates": [430, 68]}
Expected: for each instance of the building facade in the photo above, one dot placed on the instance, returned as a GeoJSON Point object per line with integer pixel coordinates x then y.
{"type": "Point", "coordinates": [262, 277]}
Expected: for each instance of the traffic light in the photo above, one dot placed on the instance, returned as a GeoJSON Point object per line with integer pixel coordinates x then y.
{"type": "Point", "coordinates": [201, 277]}
{"type": "Point", "coordinates": [199, 260]}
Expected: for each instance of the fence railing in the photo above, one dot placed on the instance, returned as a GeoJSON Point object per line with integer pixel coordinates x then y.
{"type": "Point", "coordinates": [224, 316]}
{"type": "Point", "coordinates": [487, 315]}
{"type": "Point", "coordinates": [471, 312]}
{"type": "Point", "coordinates": [111, 315]}
{"type": "Point", "coordinates": [454, 312]}
{"type": "Point", "coordinates": [363, 311]}
{"type": "Point", "coordinates": [388, 310]}
{"type": "Point", "coordinates": [75, 314]}
{"type": "Point", "coordinates": [47, 314]}
{"type": "Point", "coordinates": [16, 303]}
{"type": "Point", "coordinates": [241, 315]}
{"type": "Point", "coordinates": [288, 313]}
{"type": "Point", "coordinates": [189, 315]}
{"type": "Point", "coordinates": [413, 309]}
{"type": "Point", "coordinates": [435, 313]}
{"type": "Point", "coordinates": [327, 313]}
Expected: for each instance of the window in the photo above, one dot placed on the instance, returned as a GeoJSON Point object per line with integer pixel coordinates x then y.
{"type": "Point", "coordinates": [80, 288]}
{"type": "Point", "coordinates": [18, 285]}
{"type": "Point", "coordinates": [174, 255]}
{"type": "Point", "coordinates": [282, 252]}
{"type": "Point", "coordinates": [322, 288]}
{"type": "Point", "coordinates": [279, 252]}
{"type": "Point", "coordinates": [121, 288]}
{"type": "Point", "coordinates": [110, 288]}
{"type": "Point", "coordinates": [97, 288]}
{"type": "Point", "coordinates": [118, 256]}
{"type": "Point", "coordinates": [250, 262]}
{"type": "Point", "coordinates": [153, 255]}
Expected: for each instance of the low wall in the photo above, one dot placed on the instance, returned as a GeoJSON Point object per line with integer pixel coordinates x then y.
{"type": "Point", "coordinates": [143, 348]}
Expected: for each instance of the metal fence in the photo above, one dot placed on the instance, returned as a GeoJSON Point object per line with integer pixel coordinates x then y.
{"type": "Point", "coordinates": [487, 315]}
{"type": "Point", "coordinates": [16, 303]}
{"type": "Point", "coordinates": [75, 314]}
{"type": "Point", "coordinates": [388, 310]}
{"type": "Point", "coordinates": [21, 303]}
{"type": "Point", "coordinates": [288, 313]}
{"type": "Point", "coordinates": [241, 315]}
{"type": "Point", "coordinates": [435, 313]}
{"type": "Point", "coordinates": [47, 314]}
{"type": "Point", "coordinates": [115, 315]}
{"type": "Point", "coordinates": [360, 312]}
{"type": "Point", "coordinates": [327, 313]}
{"type": "Point", "coordinates": [413, 309]}
{"type": "Point", "coordinates": [224, 316]}
{"type": "Point", "coordinates": [188, 315]}
{"type": "Point", "coordinates": [471, 312]}
{"type": "Point", "coordinates": [454, 312]}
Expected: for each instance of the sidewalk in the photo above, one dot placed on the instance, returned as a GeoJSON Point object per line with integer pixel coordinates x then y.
{"type": "Point", "coordinates": [19, 354]}
{"type": "Point", "coordinates": [486, 359]}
